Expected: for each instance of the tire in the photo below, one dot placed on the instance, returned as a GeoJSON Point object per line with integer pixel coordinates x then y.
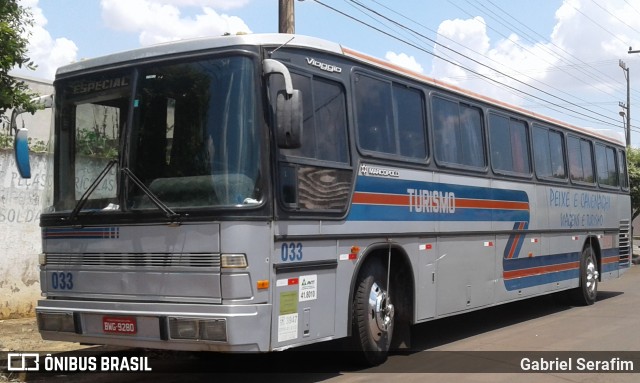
{"type": "Point", "coordinates": [587, 292]}
{"type": "Point", "coordinates": [373, 315]}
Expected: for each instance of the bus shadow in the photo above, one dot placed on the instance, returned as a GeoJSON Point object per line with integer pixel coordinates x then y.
{"type": "Point", "coordinates": [327, 360]}
{"type": "Point", "coordinates": [443, 331]}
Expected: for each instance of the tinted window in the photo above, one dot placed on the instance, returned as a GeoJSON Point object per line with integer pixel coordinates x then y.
{"type": "Point", "coordinates": [390, 118]}
{"type": "Point", "coordinates": [622, 162]}
{"type": "Point", "coordinates": [324, 134]}
{"type": "Point", "coordinates": [606, 165]}
{"type": "Point", "coordinates": [457, 133]}
{"type": "Point", "coordinates": [509, 145]}
{"type": "Point", "coordinates": [580, 160]}
{"type": "Point", "coordinates": [409, 104]}
{"type": "Point", "coordinates": [548, 153]}
{"type": "Point", "coordinates": [314, 177]}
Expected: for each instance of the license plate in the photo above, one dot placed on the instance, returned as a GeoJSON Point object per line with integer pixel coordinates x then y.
{"type": "Point", "coordinates": [119, 325]}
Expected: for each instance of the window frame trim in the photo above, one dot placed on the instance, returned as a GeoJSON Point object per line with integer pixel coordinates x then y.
{"type": "Point", "coordinates": [615, 157]}
{"type": "Point", "coordinates": [391, 81]}
{"type": "Point", "coordinates": [593, 165]}
{"type": "Point", "coordinates": [562, 134]}
{"type": "Point", "coordinates": [527, 126]}
{"type": "Point", "coordinates": [452, 165]}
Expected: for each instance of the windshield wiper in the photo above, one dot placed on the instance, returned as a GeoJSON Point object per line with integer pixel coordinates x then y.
{"type": "Point", "coordinates": [85, 196]}
{"type": "Point", "coordinates": [172, 215]}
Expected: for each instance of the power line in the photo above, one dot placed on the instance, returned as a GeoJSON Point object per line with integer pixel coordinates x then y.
{"type": "Point", "coordinates": [597, 24]}
{"type": "Point", "coordinates": [616, 17]}
{"type": "Point", "coordinates": [595, 75]}
{"type": "Point", "coordinates": [477, 62]}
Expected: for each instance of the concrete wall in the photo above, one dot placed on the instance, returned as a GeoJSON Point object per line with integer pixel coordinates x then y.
{"type": "Point", "coordinates": [20, 206]}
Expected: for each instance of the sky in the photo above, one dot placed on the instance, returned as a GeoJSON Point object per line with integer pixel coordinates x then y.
{"type": "Point", "coordinates": [559, 58]}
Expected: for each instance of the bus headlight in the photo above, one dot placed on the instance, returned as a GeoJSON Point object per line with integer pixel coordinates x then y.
{"type": "Point", "coordinates": [233, 261]}
{"type": "Point", "coordinates": [215, 330]}
{"type": "Point", "coordinates": [183, 328]}
{"type": "Point", "coordinates": [59, 322]}
{"type": "Point", "coordinates": [198, 329]}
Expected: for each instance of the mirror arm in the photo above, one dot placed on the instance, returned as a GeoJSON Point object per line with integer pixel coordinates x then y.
{"type": "Point", "coordinates": [273, 66]}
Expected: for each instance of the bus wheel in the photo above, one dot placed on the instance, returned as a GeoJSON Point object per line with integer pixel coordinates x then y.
{"type": "Point", "coordinates": [586, 293]}
{"type": "Point", "coordinates": [373, 315]}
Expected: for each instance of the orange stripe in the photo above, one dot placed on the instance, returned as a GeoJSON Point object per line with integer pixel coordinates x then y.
{"type": "Point", "coordinates": [514, 244]}
{"type": "Point", "coordinates": [540, 270]}
{"type": "Point", "coordinates": [381, 199]}
{"type": "Point", "coordinates": [516, 239]}
{"type": "Point", "coordinates": [614, 259]}
{"type": "Point", "coordinates": [461, 203]}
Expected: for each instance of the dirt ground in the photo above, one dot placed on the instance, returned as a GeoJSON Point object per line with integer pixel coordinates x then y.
{"type": "Point", "coordinates": [22, 335]}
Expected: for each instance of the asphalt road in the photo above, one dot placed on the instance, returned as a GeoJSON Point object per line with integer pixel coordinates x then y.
{"type": "Point", "coordinates": [489, 343]}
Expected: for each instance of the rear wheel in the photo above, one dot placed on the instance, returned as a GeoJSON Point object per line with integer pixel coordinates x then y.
{"type": "Point", "coordinates": [373, 315]}
{"type": "Point", "coordinates": [587, 292]}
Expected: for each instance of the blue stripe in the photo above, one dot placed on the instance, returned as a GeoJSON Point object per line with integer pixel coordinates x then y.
{"type": "Point", "coordinates": [515, 264]}
{"type": "Point", "coordinates": [402, 213]}
{"type": "Point", "coordinates": [367, 212]}
{"type": "Point", "coordinates": [396, 186]}
{"type": "Point", "coordinates": [535, 280]}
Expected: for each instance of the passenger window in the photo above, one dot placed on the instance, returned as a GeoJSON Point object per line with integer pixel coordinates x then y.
{"type": "Point", "coordinates": [458, 136]}
{"type": "Point", "coordinates": [509, 145]}
{"type": "Point", "coordinates": [622, 163]}
{"type": "Point", "coordinates": [409, 104]}
{"type": "Point", "coordinates": [580, 160]}
{"type": "Point", "coordinates": [390, 118]}
{"type": "Point", "coordinates": [606, 166]}
{"type": "Point", "coordinates": [316, 176]}
{"type": "Point", "coordinates": [549, 153]}
{"type": "Point", "coordinates": [325, 120]}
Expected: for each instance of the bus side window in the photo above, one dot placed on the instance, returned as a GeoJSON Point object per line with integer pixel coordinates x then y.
{"type": "Point", "coordinates": [549, 153]}
{"type": "Point", "coordinates": [622, 164]}
{"type": "Point", "coordinates": [580, 162]}
{"type": "Point", "coordinates": [606, 165]}
{"type": "Point", "coordinates": [458, 133]}
{"type": "Point", "coordinates": [305, 173]}
{"type": "Point", "coordinates": [376, 131]}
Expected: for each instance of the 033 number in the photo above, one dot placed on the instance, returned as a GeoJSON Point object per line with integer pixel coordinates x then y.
{"type": "Point", "coordinates": [291, 251]}
{"type": "Point", "coordinates": [61, 281]}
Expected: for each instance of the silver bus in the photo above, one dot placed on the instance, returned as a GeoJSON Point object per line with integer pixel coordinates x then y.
{"type": "Point", "coordinates": [262, 192]}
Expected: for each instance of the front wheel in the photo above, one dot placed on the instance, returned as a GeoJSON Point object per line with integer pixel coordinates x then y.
{"type": "Point", "coordinates": [586, 293]}
{"type": "Point", "coordinates": [373, 315]}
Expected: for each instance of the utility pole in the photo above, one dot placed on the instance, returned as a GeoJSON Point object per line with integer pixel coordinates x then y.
{"type": "Point", "coordinates": [627, 106]}
{"type": "Point", "coordinates": [286, 20]}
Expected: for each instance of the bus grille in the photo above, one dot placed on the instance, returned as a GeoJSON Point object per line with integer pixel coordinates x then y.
{"type": "Point", "coordinates": [135, 260]}
{"type": "Point", "coordinates": [624, 242]}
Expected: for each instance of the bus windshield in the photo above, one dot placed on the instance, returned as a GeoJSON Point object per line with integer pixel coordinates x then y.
{"type": "Point", "coordinates": [193, 139]}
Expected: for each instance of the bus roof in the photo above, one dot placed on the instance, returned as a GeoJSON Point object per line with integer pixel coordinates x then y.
{"type": "Point", "coordinates": [300, 41]}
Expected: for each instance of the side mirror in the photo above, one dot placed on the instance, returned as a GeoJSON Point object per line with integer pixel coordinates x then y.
{"type": "Point", "coordinates": [289, 119]}
{"type": "Point", "coordinates": [288, 107]}
{"type": "Point", "coordinates": [21, 141]}
{"type": "Point", "coordinates": [21, 152]}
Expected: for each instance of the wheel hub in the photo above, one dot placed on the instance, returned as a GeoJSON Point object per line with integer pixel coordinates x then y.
{"type": "Point", "coordinates": [381, 311]}
{"type": "Point", "coordinates": [591, 277]}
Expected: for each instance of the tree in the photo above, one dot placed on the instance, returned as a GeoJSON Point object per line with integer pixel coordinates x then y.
{"type": "Point", "coordinates": [15, 22]}
{"type": "Point", "coordinates": [633, 162]}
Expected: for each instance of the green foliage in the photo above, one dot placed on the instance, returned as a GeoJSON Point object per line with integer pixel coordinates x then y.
{"type": "Point", "coordinates": [35, 146]}
{"type": "Point", "coordinates": [633, 161]}
{"type": "Point", "coordinates": [96, 144]}
{"type": "Point", "coordinates": [15, 22]}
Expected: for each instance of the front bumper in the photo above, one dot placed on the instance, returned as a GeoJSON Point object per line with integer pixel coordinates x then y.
{"type": "Point", "coordinates": [246, 327]}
